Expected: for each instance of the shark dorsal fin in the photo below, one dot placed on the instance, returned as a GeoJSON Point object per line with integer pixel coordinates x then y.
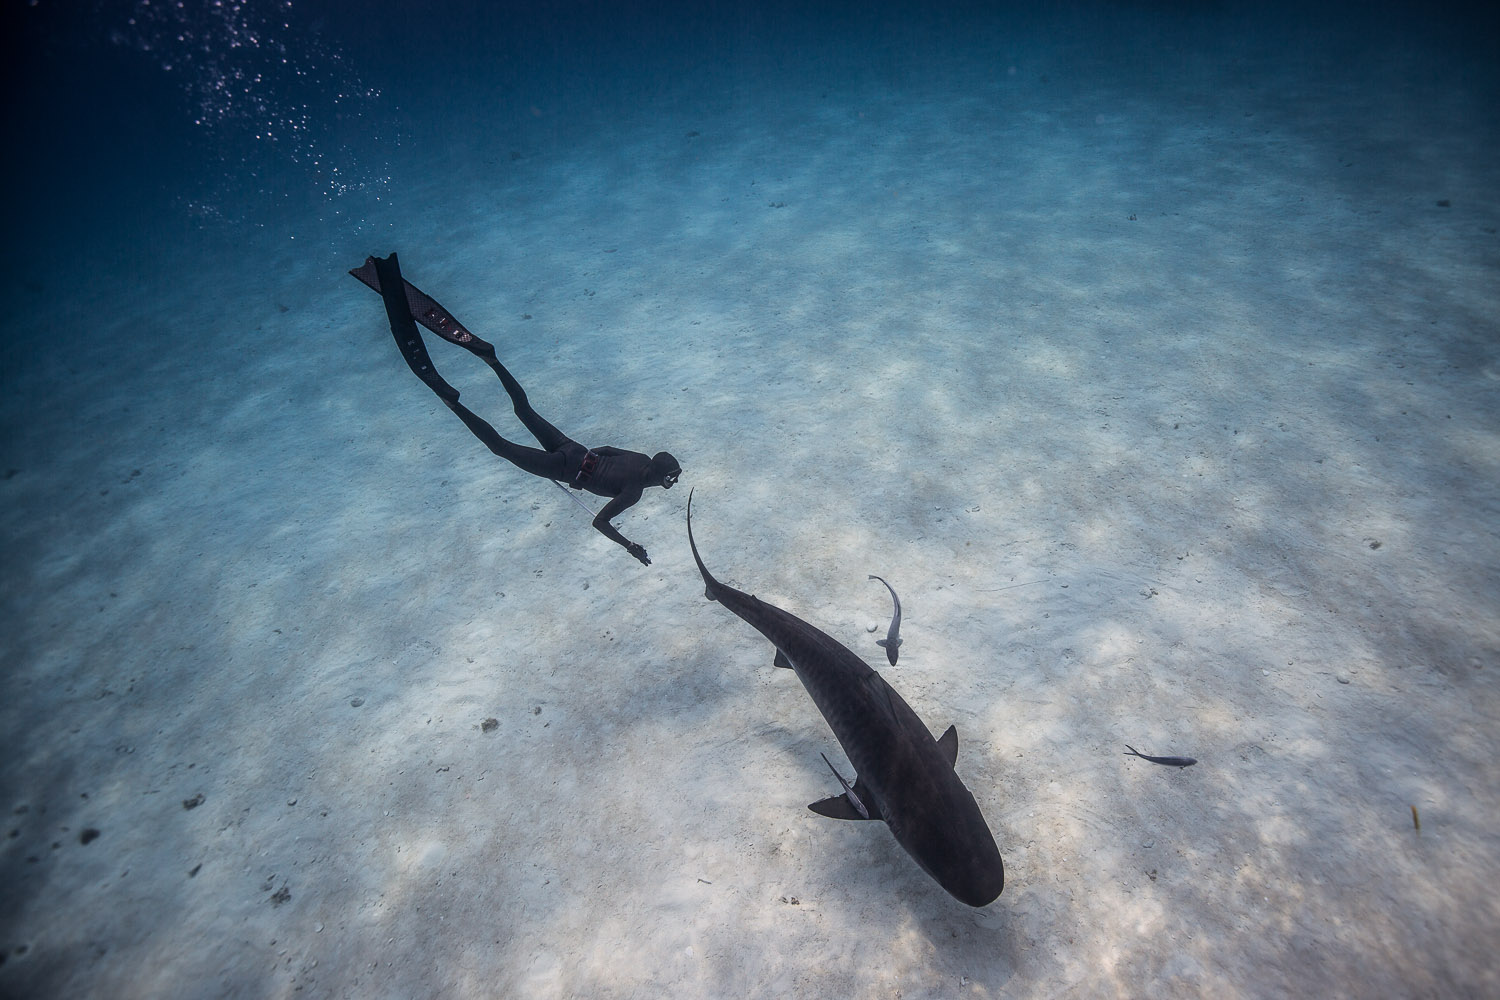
{"type": "Point", "coordinates": [948, 743]}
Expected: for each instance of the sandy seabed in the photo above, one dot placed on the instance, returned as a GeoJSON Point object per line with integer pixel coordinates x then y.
{"type": "Point", "coordinates": [1170, 429]}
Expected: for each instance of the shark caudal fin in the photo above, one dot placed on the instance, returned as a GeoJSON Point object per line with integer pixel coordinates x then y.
{"type": "Point", "coordinates": [709, 583]}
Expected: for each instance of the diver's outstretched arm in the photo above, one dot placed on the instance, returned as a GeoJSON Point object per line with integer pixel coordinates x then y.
{"type": "Point", "coordinates": [614, 509]}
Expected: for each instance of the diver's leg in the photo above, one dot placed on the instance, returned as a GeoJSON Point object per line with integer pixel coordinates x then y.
{"type": "Point", "coordinates": [548, 464]}
{"type": "Point", "coordinates": [547, 436]}
{"type": "Point", "coordinates": [403, 303]}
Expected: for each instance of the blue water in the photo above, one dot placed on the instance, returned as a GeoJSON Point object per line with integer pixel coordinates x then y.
{"type": "Point", "coordinates": [145, 119]}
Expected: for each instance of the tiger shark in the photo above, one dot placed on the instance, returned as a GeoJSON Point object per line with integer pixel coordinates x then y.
{"type": "Point", "coordinates": [903, 775]}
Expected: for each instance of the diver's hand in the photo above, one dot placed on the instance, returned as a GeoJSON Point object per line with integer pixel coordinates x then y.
{"type": "Point", "coordinates": [639, 551]}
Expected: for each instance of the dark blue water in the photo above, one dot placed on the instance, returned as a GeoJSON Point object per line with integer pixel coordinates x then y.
{"type": "Point", "coordinates": [132, 121]}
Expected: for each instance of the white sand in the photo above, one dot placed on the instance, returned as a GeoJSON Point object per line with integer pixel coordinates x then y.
{"type": "Point", "coordinates": [1170, 414]}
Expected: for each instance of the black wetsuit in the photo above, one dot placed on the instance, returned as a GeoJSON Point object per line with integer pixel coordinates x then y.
{"type": "Point", "coordinates": [606, 472]}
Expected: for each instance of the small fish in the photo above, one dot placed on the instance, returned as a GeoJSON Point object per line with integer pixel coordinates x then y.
{"type": "Point", "coordinates": [859, 807]}
{"type": "Point", "coordinates": [1414, 820]}
{"type": "Point", "coordinates": [892, 640]}
{"type": "Point", "coordinates": [1169, 761]}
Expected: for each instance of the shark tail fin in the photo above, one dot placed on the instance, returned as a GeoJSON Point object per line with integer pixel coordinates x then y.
{"type": "Point", "coordinates": [709, 583]}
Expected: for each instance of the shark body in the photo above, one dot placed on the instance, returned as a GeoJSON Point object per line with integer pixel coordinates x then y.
{"type": "Point", "coordinates": [904, 776]}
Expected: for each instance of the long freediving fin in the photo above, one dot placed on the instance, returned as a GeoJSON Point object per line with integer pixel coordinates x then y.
{"type": "Point", "coordinates": [423, 307]}
{"type": "Point", "coordinates": [403, 324]}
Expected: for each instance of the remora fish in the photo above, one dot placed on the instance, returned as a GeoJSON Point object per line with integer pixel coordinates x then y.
{"type": "Point", "coordinates": [904, 776]}
{"type": "Point", "coordinates": [1169, 761]}
{"type": "Point", "coordinates": [892, 640]}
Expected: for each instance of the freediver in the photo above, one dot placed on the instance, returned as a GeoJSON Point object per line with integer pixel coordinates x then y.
{"type": "Point", "coordinates": [605, 472]}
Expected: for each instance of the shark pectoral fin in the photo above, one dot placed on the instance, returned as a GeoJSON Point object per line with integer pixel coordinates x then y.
{"type": "Point", "coordinates": [948, 743]}
{"type": "Point", "coordinates": [855, 803]}
{"type": "Point", "coordinates": [838, 807]}
{"type": "Point", "coordinates": [781, 660]}
{"type": "Point", "coordinates": [882, 642]}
